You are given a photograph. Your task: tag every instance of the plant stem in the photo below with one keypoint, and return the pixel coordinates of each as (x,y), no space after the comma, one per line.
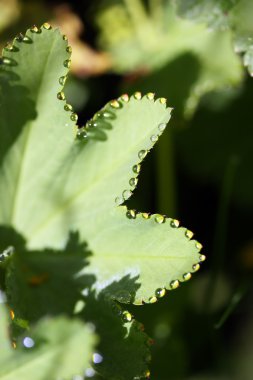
(220,235)
(235,300)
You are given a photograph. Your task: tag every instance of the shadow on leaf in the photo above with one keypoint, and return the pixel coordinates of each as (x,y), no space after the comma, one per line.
(123,344)
(44,282)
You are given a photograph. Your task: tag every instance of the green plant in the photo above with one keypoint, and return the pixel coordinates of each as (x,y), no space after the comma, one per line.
(68,244)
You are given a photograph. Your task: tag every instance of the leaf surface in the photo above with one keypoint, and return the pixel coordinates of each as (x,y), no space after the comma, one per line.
(62,349)
(55,179)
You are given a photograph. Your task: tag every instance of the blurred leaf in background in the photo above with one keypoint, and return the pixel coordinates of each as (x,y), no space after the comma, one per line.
(170,53)
(10,11)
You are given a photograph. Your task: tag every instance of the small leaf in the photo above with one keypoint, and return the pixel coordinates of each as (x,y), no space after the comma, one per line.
(56,348)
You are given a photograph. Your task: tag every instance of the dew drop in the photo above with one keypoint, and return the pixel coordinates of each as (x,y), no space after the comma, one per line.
(89,372)
(202,258)
(8,61)
(14,344)
(126,316)
(82,133)
(174,223)
(61,95)
(137,95)
(28,342)
(92,124)
(187,276)
(62,80)
(97,358)
(161,127)
(137,168)
(131,214)
(196,267)
(47,26)
(142,154)
(119,201)
(127,194)
(150,95)
(27,39)
(68,107)
(160,292)
(189,234)
(64,37)
(79,306)
(154,138)
(35,29)
(147,374)
(145,215)
(125,97)
(115,104)
(162,100)
(159,219)
(10,47)
(74,117)
(174,284)
(77,377)
(107,115)
(12,314)
(67,63)
(198,245)
(133,181)
(69,49)
(152,299)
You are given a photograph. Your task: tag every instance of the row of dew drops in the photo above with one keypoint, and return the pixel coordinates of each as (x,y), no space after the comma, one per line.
(22,38)
(82,133)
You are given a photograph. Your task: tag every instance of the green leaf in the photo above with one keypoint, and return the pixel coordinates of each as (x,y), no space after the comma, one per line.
(235,15)
(35,283)
(62,349)
(214,13)
(54,180)
(35,280)
(128,353)
(150,41)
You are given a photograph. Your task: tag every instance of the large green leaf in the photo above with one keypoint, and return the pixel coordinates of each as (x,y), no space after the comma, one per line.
(53,349)
(55,179)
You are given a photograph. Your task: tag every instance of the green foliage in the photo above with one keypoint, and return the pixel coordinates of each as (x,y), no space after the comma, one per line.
(214,13)
(56,179)
(235,15)
(155,41)
(54,348)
